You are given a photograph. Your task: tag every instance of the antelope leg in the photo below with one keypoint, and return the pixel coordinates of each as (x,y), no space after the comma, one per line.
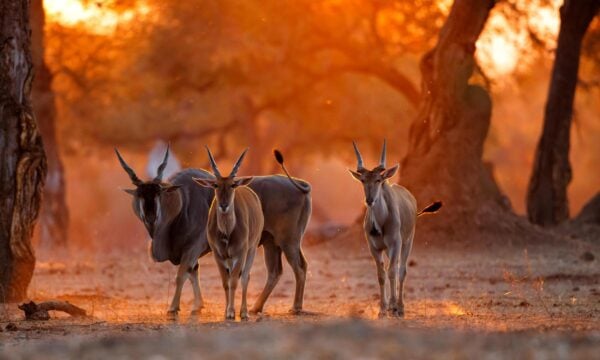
(182,275)
(378,257)
(245,281)
(406,247)
(198,301)
(274,270)
(296,259)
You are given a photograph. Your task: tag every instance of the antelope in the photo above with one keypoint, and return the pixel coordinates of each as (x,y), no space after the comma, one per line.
(235,223)
(175,215)
(286,205)
(389,227)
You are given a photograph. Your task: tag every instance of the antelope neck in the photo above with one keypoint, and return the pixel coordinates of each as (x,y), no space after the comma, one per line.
(377,213)
(226,221)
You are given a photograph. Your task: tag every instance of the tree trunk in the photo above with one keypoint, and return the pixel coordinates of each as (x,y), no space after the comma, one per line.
(23,165)
(54,216)
(444,159)
(547,202)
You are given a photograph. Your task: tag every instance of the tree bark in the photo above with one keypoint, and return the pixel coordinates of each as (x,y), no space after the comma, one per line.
(23,165)
(444,158)
(547,202)
(54,215)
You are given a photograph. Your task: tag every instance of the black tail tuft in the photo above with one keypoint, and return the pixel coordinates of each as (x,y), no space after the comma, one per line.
(278,156)
(300,186)
(432,208)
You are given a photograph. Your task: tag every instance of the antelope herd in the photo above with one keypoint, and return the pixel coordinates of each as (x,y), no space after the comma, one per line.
(195,212)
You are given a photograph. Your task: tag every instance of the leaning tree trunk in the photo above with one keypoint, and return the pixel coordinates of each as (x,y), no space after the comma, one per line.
(444,159)
(23,165)
(547,202)
(54,215)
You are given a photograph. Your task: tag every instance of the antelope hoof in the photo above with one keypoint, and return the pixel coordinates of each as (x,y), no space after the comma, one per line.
(195,312)
(399,313)
(255,311)
(396,310)
(382,313)
(244,316)
(296,311)
(229,315)
(172,314)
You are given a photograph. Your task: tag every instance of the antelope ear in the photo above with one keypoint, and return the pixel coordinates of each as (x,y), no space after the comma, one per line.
(130,191)
(209,183)
(355,175)
(170,188)
(243,181)
(389,172)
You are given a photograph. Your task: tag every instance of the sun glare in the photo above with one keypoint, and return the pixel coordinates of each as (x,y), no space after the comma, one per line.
(499,49)
(503,48)
(96,17)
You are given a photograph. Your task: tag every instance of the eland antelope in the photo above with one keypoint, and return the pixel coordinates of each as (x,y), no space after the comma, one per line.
(235,223)
(175,215)
(389,227)
(286,204)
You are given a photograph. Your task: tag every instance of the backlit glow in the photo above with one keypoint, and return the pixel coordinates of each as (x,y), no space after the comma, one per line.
(96,16)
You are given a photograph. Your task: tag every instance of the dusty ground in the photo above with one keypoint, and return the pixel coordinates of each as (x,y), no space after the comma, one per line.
(517,302)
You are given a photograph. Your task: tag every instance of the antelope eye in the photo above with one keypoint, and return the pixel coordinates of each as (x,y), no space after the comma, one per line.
(215,186)
(233,186)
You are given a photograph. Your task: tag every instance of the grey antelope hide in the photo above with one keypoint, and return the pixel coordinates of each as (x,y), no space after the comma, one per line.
(175,215)
(389,227)
(286,205)
(235,223)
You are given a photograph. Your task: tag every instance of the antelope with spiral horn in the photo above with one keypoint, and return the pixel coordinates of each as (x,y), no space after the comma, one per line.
(235,223)
(389,227)
(179,234)
(174,213)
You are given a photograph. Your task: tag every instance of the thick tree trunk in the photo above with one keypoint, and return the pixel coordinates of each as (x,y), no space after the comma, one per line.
(547,202)
(23,165)
(54,215)
(444,159)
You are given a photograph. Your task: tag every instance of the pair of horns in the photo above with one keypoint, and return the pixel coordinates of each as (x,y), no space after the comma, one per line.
(215,169)
(134,178)
(360,164)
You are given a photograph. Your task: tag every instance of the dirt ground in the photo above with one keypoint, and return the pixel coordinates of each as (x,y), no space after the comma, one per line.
(506,302)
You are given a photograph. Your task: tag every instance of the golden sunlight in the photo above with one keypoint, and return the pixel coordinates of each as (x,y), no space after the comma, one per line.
(455,310)
(96,17)
(503,47)
(499,49)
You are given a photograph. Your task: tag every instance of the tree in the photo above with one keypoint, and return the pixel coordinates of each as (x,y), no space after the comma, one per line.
(248,72)
(444,159)
(547,202)
(54,217)
(23,166)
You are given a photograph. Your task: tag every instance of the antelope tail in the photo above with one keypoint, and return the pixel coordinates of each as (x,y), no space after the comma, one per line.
(431,208)
(279,157)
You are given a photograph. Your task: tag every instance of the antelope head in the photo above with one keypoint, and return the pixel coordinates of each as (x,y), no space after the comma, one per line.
(224,185)
(372,180)
(147,195)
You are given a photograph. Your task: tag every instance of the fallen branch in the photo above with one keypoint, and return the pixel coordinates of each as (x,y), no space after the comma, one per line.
(39,311)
